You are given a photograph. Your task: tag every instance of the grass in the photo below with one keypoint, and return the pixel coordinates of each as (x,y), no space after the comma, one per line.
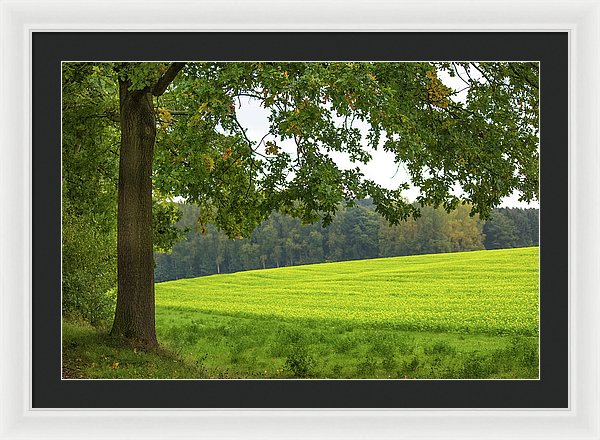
(463,315)
(492,292)
(92,354)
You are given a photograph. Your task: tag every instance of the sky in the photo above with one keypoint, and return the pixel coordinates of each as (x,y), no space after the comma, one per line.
(382,168)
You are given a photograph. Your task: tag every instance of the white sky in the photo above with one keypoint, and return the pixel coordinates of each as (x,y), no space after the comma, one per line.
(381,168)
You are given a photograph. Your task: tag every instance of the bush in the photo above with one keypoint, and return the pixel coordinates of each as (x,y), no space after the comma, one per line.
(89,268)
(299,362)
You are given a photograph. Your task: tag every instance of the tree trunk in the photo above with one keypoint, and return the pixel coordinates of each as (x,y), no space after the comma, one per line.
(134,315)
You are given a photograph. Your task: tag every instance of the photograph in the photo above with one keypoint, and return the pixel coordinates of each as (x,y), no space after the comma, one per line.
(281,220)
(300,220)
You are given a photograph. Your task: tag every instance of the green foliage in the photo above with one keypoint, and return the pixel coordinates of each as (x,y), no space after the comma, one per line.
(409,367)
(487,145)
(165,216)
(366,367)
(251,346)
(90,163)
(90,159)
(434,231)
(140,75)
(355,233)
(512,228)
(89,268)
(299,363)
(440,347)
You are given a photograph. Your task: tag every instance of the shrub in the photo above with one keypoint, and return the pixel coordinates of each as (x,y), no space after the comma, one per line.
(299,362)
(89,268)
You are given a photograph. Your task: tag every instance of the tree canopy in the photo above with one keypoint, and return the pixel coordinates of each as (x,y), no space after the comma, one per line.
(487,146)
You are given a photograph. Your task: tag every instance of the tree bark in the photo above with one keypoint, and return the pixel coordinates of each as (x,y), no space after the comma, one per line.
(134,315)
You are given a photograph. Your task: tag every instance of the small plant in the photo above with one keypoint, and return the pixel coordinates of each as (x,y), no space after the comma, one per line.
(285,338)
(367,367)
(389,363)
(299,362)
(410,367)
(405,345)
(238,348)
(200,363)
(520,358)
(290,336)
(382,347)
(475,367)
(190,333)
(525,351)
(344,344)
(336,371)
(440,347)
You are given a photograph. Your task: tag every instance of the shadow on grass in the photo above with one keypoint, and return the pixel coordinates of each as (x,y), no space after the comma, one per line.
(90,353)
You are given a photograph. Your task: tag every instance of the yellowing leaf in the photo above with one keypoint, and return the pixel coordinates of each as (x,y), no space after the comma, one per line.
(203,107)
(208,161)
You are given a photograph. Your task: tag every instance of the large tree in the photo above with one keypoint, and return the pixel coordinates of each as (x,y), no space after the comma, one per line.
(180,136)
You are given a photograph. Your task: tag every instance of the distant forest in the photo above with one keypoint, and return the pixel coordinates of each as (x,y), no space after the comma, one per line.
(355,233)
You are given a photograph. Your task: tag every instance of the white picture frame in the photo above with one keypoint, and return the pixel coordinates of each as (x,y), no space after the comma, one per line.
(18,19)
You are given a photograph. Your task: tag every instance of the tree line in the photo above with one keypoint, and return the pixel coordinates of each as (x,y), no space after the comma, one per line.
(355,233)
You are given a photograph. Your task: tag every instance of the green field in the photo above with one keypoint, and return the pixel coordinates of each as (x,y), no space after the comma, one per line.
(460,315)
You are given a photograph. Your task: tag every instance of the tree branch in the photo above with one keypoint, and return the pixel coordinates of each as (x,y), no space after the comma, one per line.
(178,112)
(166,79)
(458,74)
(481,70)
(248,141)
(525,78)
(113,117)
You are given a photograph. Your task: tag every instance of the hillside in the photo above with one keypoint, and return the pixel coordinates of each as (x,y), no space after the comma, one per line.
(493,292)
(461,315)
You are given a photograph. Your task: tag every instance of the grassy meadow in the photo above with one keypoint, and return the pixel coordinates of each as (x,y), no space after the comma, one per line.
(458,315)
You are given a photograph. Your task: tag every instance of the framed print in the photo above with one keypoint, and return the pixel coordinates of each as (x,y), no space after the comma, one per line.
(44,393)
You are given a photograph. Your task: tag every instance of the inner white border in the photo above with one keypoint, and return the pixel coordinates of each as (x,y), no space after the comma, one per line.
(17,19)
